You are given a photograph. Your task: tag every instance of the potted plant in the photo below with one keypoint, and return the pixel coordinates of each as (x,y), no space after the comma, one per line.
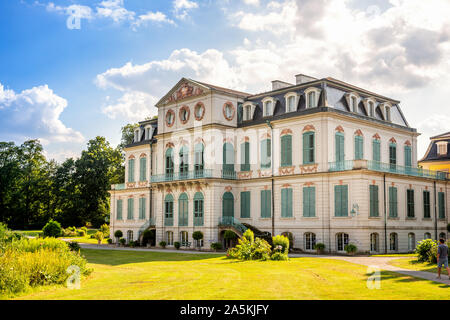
(350,249)
(216,246)
(99,237)
(118,234)
(122,241)
(319,247)
(163,244)
(197,236)
(177,245)
(147,238)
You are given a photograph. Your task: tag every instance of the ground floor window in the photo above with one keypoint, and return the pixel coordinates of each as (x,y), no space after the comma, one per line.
(393,242)
(169,238)
(310,241)
(411,242)
(341,241)
(183,237)
(427,235)
(374,240)
(129,236)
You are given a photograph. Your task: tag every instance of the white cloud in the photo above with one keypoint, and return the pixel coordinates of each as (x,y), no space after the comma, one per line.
(157,17)
(34,113)
(252,2)
(134,106)
(182,8)
(115,10)
(78,11)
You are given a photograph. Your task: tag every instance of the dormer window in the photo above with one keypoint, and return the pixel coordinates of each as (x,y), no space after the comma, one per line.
(136,135)
(354,104)
(371,109)
(291,101)
(312,97)
(147,133)
(388,113)
(442,148)
(386,110)
(268,106)
(248,110)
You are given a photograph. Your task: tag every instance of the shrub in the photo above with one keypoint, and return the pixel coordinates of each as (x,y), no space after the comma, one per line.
(122,241)
(248,234)
(68,233)
(81,233)
(427,251)
(258,249)
(74,246)
(134,244)
(350,248)
(230,235)
(33,245)
(52,229)
(281,241)
(110,241)
(279,256)
(118,234)
(85,229)
(105,230)
(177,245)
(216,246)
(163,244)
(197,235)
(147,236)
(319,247)
(99,236)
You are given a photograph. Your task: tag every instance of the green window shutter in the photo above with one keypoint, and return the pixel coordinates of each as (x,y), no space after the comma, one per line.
(376,150)
(344,201)
(340,156)
(265,153)
(309,201)
(286,151)
(130,215)
(286,203)
(119,209)
(426,204)
(198,209)
(359,148)
(131,170)
(308,147)
(245,204)
(266,204)
(408,161)
(228,158)
(228,205)
(410,203)
(341,201)
(141,208)
(393,154)
(393,202)
(441,202)
(143,169)
(245,156)
(374,201)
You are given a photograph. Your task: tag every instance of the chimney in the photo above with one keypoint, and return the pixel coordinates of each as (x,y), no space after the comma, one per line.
(301,78)
(277,84)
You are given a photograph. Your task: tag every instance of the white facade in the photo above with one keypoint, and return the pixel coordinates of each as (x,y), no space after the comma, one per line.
(196,116)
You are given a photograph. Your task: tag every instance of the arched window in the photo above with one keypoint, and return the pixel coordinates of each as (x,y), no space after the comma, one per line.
(291,101)
(184,238)
(308,147)
(228,205)
(393,242)
(427,235)
(169,163)
(411,242)
(169,238)
(183,210)
(393,156)
(309,241)
(168,210)
(199,159)
(374,241)
(266,152)
(228,161)
(341,241)
(245,156)
(268,106)
(184,162)
(198,209)
(129,236)
(359,147)
(286,151)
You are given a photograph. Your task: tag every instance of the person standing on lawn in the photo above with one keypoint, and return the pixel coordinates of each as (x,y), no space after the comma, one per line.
(442,258)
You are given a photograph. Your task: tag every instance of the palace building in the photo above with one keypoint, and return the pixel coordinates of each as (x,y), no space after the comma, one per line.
(321,161)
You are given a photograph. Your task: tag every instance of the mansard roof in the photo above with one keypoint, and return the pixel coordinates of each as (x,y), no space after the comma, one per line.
(432,152)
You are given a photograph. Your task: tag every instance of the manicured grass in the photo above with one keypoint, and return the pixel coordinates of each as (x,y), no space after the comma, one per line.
(400,255)
(154,275)
(30,233)
(86,239)
(413,264)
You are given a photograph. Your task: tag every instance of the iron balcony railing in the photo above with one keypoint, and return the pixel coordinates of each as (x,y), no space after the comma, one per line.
(195,174)
(119,186)
(232,222)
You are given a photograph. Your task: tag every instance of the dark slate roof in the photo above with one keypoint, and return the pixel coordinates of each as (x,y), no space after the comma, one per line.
(432,151)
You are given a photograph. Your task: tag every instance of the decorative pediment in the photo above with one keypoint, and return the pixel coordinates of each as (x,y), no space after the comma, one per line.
(185,90)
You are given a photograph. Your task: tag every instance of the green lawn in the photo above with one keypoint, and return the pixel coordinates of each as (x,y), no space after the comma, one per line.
(153,275)
(413,264)
(30,233)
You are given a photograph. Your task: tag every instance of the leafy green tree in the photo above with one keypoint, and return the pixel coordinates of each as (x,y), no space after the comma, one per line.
(127,134)
(52,229)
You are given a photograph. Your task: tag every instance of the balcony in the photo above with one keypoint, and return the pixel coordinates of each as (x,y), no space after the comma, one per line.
(226,222)
(118,186)
(193,175)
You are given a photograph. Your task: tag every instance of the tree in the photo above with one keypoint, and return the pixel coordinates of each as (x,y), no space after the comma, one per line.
(127,134)
(52,229)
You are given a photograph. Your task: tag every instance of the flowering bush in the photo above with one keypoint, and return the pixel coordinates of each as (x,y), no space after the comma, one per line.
(427,251)
(250,248)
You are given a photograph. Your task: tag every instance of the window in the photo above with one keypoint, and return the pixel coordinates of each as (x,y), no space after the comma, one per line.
(184,161)
(198,209)
(371,109)
(374,201)
(411,242)
(312,99)
(354,104)
(228,159)
(137,134)
(130,212)
(268,105)
(184,237)
(245,156)
(441,202)
(247,113)
(374,240)
(169,163)
(408,161)
(388,113)
(199,159)
(143,169)
(341,241)
(266,152)
(309,202)
(199,111)
(266,204)
(229,111)
(141,208)
(169,238)
(426,204)
(119,209)
(228,205)
(309,241)
(170,118)
(393,242)
(184,114)
(286,151)
(341,201)
(427,235)
(410,203)
(393,210)
(183,210)
(291,102)
(340,156)
(168,211)
(442,148)
(131,170)
(129,236)
(286,203)
(376,152)
(308,148)
(359,148)
(245,204)
(393,156)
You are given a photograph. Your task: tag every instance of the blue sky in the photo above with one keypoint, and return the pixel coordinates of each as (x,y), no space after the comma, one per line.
(65,86)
